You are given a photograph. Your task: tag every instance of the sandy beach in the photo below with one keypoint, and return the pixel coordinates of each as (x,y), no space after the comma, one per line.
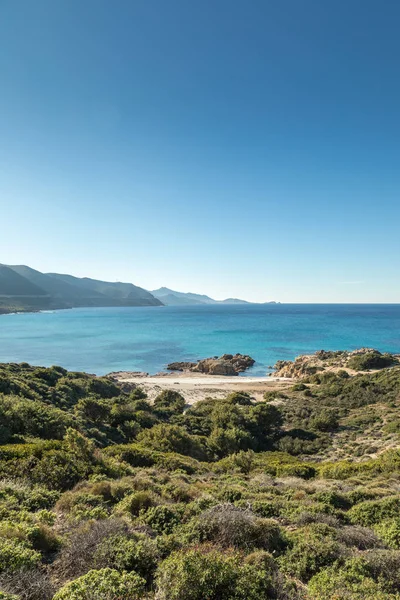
(195,386)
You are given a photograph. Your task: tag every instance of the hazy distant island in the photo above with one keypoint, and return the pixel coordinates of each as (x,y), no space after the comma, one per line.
(24,289)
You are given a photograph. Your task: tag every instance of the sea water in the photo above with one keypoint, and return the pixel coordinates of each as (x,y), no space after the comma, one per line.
(100,340)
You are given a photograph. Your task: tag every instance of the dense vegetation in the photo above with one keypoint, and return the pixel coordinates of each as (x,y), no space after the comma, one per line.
(104,496)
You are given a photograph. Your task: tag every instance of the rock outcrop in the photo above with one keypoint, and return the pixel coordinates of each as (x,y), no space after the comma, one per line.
(227,364)
(181,366)
(355,361)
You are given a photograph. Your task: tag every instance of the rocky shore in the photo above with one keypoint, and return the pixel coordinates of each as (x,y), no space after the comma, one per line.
(361,360)
(227,364)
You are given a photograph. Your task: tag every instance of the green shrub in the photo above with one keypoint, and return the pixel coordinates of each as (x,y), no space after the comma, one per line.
(163,518)
(134,503)
(123,552)
(240,398)
(15,554)
(133,454)
(42,537)
(170,400)
(207,574)
(299,387)
(172,438)
(313,548)
(103,387)
(372,512)
(371,360)
(389,531)
(93,409)
(103,584)
(325,420)
(333,498)
(350,581)
(296,470)
(225,441)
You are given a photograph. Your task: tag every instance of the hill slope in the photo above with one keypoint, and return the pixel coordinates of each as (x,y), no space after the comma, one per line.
(106,495)
(123,294)
(23,289)
(14,284)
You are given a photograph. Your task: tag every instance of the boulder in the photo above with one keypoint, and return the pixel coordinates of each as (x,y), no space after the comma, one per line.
(227,364)
(215,366)
(181,366)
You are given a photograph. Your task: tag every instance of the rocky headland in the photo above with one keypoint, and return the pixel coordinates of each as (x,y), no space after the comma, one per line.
(361,360)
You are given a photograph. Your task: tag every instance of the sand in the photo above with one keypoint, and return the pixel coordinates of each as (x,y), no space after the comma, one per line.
(195,386)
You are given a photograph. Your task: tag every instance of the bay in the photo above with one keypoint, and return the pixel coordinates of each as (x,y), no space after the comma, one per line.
(100,340)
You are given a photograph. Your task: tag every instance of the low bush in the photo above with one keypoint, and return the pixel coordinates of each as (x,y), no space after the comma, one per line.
(389,532)
(384,567)
(103,584)
(206,573)
(312,548)
(372,512)
(352,581)
(15,554)
(128,552)
(296,470)
(358,537)
(163,518)
(172,438)
(325,420)
(169,400)
(134,503)
(371,360)
(228,526)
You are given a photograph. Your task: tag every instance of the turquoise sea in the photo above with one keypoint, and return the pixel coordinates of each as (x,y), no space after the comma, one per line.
(100,340)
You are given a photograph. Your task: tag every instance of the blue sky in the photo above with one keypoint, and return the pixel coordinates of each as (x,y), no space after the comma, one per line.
(228,147)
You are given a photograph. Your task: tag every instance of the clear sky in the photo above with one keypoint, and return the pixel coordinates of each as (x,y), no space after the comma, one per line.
(245,148)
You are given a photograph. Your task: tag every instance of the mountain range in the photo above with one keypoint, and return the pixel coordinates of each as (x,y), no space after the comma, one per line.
(25,289)
(174,298)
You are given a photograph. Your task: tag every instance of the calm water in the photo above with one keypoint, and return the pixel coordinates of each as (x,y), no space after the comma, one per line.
(99,340)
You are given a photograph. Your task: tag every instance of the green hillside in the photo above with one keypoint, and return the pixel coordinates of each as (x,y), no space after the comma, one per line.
(117,291)
(14,284)
(105,496)
(23,288)
(53,286)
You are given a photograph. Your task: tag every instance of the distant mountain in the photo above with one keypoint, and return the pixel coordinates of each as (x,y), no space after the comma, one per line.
(52,286)
(14,284)
(164,292)
(234,301)
(23,288)
(122,294)
(174,298)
